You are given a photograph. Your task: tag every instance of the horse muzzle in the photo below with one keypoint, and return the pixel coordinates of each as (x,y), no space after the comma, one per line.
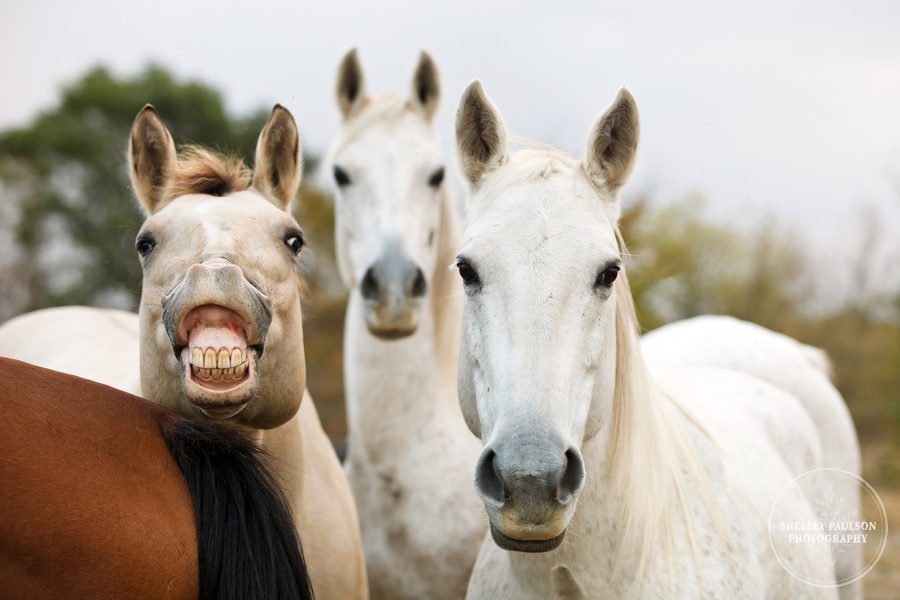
(392,290)
(529,493)
(216,322)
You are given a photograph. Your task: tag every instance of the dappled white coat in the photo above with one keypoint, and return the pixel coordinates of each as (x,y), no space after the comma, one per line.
(608,483)
(409,453)
(801,370)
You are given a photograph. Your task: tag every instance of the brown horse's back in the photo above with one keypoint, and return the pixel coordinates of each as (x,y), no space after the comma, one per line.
(92,505)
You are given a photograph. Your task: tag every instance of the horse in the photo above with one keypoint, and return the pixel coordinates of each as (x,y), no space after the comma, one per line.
(600,479)
(106,495)
(803,371)
(408,451)
(220,322)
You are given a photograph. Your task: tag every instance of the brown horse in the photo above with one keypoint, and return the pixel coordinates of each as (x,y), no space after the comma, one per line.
(106,495)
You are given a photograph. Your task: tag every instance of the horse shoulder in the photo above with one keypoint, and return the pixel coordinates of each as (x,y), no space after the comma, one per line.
(322,503)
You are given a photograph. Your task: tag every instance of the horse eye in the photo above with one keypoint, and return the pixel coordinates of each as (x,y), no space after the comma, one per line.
(467,273)
(340,176)
(607,277)
(294,241)
(436,178)
(145,245)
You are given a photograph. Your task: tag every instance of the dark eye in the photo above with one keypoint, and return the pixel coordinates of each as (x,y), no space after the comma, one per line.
(468,274)
(145,245)
(436,178)
(607,277)
(340,176)
(294,241)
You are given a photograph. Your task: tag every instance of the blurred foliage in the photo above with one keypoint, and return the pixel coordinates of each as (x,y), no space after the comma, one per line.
(681,265)
(76,218)
(65,197)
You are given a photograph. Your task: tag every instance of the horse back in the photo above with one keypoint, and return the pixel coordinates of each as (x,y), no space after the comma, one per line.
(94,506)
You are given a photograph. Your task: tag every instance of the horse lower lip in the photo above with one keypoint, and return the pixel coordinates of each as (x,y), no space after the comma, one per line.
(222,412)
(508,543)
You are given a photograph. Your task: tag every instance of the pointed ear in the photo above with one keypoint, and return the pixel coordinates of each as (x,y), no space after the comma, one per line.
(351,85)
(426,86)
(152,159)
(481,138)
(612,144)
(278,164)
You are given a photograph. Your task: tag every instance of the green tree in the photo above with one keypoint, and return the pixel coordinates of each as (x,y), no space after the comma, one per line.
(64,183)
(682,265)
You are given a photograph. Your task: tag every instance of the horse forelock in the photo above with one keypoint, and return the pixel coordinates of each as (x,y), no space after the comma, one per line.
(382,109)
(534,162)
(202,171)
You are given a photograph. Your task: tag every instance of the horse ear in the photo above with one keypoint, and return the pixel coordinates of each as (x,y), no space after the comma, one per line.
(351,84)
(481,138)
(612,144)
(278,166)
(426,86)
(152,159)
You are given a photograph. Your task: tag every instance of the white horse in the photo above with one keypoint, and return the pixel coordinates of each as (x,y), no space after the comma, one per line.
(220,324)
(664,484)
(409,453)
(801,370)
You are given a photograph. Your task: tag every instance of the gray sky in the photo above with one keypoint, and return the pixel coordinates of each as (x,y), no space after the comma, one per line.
(777,106)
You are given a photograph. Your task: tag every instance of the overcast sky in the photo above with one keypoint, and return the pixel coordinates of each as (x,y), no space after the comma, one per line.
(780,106)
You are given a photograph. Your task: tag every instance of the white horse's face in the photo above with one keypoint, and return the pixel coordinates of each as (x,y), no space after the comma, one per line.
(538,349)
(221,327)
(389,174)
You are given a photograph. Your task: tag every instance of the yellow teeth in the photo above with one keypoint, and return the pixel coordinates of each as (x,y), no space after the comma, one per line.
(218,364)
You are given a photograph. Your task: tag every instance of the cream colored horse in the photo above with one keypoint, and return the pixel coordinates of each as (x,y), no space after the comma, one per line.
(409,453)
(219,324)
(599,479)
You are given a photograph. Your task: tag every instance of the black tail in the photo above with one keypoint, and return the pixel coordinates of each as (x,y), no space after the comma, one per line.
(248,547)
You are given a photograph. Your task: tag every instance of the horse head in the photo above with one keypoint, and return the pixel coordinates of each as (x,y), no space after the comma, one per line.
(220,317)
(538,361)
(389,172)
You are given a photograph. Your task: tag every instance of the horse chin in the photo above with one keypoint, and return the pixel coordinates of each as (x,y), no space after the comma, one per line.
(531,545)
(394,328)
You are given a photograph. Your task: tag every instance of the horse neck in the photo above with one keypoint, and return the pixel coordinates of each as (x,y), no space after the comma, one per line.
(446,295)
(399,391)
(645,473)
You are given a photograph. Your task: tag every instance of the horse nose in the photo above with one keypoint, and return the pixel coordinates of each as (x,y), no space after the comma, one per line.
(393,278)
(533,475)
(217,283)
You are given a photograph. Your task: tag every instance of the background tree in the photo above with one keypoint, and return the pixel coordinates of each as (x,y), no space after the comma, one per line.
(66,193)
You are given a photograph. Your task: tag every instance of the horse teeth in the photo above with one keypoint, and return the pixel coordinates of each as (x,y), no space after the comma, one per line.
(205,373)
(197,357)
(239,370)
(228,374)
(237,357)
(216,374)
(209,359)
(224,359)
(196,369)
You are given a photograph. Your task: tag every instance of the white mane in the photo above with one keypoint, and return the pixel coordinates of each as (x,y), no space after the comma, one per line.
(651,458)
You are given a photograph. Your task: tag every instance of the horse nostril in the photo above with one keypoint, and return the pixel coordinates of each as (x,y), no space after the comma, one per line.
(369,286)
(487,480)
(419,285)
(572,479)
